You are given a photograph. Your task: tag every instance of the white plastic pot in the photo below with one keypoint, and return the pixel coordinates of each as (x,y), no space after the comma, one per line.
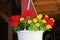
(30,35)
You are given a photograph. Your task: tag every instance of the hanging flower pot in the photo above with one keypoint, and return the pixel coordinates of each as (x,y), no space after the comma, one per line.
(30,26)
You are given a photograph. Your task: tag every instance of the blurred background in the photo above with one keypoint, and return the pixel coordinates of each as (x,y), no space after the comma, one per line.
(16,7)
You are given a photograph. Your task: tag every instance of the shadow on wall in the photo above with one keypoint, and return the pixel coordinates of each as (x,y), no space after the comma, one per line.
(3,29)
(47,35)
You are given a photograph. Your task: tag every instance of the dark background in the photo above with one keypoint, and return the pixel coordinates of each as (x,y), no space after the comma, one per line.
(3,29)
(15,10)
(54,34)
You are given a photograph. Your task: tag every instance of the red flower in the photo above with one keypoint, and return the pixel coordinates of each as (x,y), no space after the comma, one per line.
(15,17)
(29,13)
(50,22)
(15,20)
(46,18)
(14,23)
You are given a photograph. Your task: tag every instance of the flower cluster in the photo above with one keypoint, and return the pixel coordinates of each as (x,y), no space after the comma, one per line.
(31,21)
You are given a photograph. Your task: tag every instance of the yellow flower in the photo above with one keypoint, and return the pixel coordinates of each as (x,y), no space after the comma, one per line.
(21,19)
(39,16)
(44,21)
(35,20)
(29,21)
(37,24)
(48,27)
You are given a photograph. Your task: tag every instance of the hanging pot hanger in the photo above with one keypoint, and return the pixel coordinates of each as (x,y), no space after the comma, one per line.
(28,6)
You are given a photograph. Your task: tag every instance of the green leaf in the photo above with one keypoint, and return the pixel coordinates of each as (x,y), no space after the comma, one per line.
(31,26)
(35,28)
(14,29)
(18,28)
(43,26)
